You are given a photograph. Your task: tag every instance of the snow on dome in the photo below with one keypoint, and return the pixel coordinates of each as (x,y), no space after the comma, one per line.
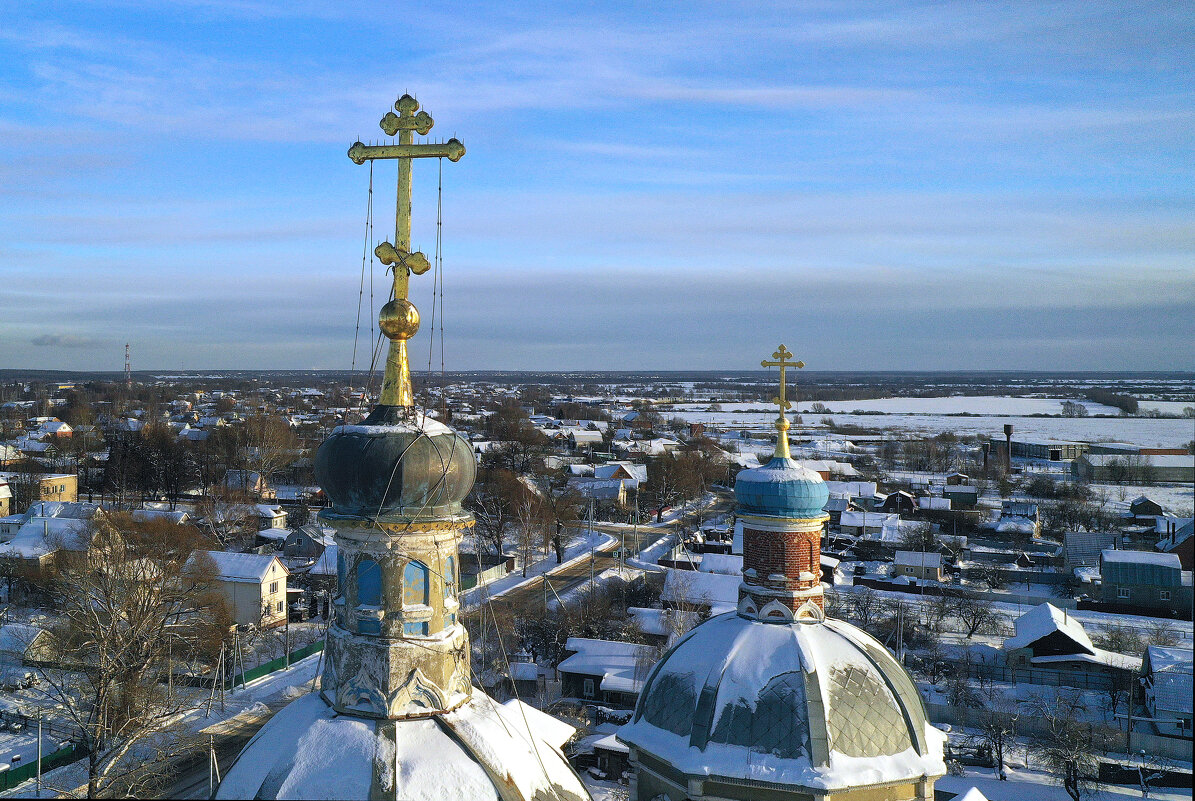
(781,488)
(396,462)
(309,751)
(816,704)
(417,424)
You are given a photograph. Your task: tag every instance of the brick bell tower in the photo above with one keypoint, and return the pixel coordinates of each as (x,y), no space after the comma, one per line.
(781,506)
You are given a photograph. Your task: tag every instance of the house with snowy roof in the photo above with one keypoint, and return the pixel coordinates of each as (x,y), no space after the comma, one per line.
(1049,637)
(924,565)
(1166,680)
(629,472)
(34,539)
(583,439)
(1180,542)
(1144,510)
(179,517)
(1083,548)
(899,502)
(693,589)
(605,671)
(307,542)
(22,644)
(55,429)
(253,585)
(961,494)
(661,626)
(1146,581)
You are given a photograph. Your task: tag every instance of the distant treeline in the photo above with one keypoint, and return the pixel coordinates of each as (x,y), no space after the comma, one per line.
(1126,403)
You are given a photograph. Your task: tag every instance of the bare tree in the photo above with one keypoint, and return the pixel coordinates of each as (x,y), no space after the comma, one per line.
(227,515)
(996,731)
(865,606)
(139,600)
(269,445)
(1067,747)
(493,501)
(976,614)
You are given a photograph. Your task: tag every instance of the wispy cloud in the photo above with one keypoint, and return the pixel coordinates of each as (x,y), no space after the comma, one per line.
(64,341)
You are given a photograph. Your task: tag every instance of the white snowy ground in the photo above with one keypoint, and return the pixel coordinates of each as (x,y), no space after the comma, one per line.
(246,702)
(1137,430)
(1022,785)
(576,551)
(1030,785)
(960,404)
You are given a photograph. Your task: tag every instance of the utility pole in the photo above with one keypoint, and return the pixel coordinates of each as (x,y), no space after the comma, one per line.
(39,752)
(636,518)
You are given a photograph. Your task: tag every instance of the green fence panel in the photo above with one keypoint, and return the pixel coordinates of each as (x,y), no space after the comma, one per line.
(274,665)
(23,773)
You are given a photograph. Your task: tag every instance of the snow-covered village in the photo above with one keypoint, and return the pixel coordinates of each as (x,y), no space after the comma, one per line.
(577,450)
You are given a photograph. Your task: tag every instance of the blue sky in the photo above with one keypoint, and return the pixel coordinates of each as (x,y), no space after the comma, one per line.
(878,185)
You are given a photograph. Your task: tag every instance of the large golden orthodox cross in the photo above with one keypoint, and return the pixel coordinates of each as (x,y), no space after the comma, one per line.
(783,361)
(399,319)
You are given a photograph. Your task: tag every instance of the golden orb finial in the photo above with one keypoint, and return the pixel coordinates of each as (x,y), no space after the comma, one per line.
(399,319)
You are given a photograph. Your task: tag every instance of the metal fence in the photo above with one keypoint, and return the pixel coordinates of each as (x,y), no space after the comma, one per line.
(1053,678)
(19,775)
(274,664)
(1029,726)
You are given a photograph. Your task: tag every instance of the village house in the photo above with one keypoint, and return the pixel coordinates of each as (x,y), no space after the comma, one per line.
(22,644)
(1179,542)
(1142,510)
(254,587)
(923,565)
(899,502)
(961,494)
(1019,517)
(50,486)
(1083,548)
(1049,637)
(604,671)
(870,525)
(1145,581)
(1166,680)
(30,542)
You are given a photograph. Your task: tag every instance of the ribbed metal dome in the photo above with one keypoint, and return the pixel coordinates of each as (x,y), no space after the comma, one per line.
(396,462)
(793,703)
(781,488)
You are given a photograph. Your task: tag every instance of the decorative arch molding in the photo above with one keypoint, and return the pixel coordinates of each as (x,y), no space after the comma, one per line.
(776,612)
(809,612)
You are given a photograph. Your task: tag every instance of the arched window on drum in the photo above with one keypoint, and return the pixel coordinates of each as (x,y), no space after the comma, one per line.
(369,594)
(450,584)
(415,593)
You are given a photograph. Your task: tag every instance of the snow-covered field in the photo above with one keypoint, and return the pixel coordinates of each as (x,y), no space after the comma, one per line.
(961,404)
(1136,430)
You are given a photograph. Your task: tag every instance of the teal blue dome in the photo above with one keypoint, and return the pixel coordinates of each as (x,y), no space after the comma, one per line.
(781,488)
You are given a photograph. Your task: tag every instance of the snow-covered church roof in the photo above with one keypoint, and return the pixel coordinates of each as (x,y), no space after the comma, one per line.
(308,750)
(812,703)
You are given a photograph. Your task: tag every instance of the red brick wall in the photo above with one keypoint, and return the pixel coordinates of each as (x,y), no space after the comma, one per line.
(769,552)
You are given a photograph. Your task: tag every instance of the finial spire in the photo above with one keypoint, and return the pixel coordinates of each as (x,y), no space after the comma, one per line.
(783,361)
(399,319)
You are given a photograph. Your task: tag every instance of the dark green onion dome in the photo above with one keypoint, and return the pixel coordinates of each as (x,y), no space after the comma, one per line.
(814,703)
(395,462)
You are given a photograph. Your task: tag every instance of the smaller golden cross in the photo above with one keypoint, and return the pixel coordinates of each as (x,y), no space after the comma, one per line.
(783,361)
